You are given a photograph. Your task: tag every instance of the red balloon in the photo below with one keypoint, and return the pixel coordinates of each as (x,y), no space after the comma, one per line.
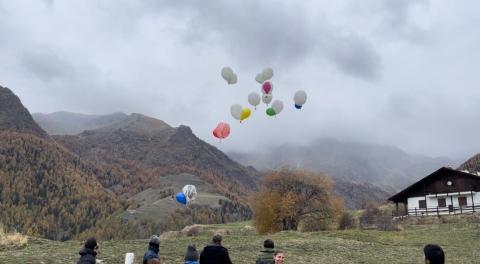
(222,130)
(267,87)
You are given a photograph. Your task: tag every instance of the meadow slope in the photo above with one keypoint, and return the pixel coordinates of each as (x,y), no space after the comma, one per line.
(460,241)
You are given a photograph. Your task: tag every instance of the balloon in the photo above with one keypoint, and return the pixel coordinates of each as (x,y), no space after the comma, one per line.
(236,111)
(190,192)
(267,98)
(259,78)
(300,98)
(277,106)
(245,114)
(222,130)
(298,106)
(181,198)
(267,87)
(129,258)
(254,99)
(227,74)
(234,79)
(267,73)
(270,112)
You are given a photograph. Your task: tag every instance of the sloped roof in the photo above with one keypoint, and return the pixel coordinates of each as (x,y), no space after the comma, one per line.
(405,192)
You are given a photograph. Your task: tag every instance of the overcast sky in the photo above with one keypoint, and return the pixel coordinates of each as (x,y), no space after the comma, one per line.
(397,72)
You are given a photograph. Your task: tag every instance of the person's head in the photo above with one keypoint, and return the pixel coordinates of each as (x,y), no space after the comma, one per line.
(91,243)
(434,254)
(278,257)
(217,239)
(192,254)
(268,244)
(154,241)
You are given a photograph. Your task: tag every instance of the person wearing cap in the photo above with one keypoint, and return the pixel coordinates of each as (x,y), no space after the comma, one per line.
(151,256)
(215,253)
(191,256)
(266,255)
(88,253)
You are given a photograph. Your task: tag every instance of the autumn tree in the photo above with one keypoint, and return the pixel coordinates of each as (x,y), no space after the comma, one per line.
(295,199)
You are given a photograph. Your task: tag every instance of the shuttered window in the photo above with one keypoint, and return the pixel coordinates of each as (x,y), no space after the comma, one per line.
(422,204)
(442,202)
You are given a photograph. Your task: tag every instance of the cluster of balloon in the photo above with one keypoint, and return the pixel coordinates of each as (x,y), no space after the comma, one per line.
(240,113)
(222,130)
(229,76)
(300,98)
(188,194)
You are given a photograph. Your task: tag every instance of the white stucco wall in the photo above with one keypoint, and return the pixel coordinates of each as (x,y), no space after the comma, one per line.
(432,202)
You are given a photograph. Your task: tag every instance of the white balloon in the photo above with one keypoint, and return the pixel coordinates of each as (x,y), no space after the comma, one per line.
(300,97)
(267,74)
(254,99)
(259,78)
(267,98)
(227,74)
(190,192)
(277,106)
(234,79)
(129,258)
(236,111)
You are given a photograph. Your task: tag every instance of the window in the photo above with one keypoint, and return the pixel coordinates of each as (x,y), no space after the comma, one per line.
(422,204)
(442,202)
(462,201)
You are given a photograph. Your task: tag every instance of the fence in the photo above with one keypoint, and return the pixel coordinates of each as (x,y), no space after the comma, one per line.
(450,210)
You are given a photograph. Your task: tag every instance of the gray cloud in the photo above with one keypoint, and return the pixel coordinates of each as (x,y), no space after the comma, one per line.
(366,76)
(45,64)
(274,33)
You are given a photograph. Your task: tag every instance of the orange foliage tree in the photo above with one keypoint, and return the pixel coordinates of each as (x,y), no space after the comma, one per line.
(290,199)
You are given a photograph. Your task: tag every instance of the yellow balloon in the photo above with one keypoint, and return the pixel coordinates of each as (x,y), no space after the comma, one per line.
(245,114)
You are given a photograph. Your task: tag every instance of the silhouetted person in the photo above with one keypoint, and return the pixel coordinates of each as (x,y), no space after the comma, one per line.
(433,254)
(88,253)
(151,256)
(266,255)
(191,256)
(278,257)
(215,253)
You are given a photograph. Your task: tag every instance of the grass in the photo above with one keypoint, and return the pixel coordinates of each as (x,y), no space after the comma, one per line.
(461,243)
(10,241)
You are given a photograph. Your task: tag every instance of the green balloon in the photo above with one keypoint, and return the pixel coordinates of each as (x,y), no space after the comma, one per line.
(271,112)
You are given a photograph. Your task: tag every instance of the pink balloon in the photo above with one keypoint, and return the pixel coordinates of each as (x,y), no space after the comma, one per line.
(222,130)
(267,87)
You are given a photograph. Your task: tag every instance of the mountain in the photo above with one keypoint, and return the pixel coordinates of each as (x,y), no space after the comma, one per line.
(66,123)
(14,116)
(385,166)
(44,189)
(472,164)
(139,149)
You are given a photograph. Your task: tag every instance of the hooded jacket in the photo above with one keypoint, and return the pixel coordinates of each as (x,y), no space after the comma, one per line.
(87,256)
(152,253)
(266,256)
(215,254)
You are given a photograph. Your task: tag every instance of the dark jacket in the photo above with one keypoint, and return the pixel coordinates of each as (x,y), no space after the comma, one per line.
(152,253)
(215,254)
(87,256)
(266,256)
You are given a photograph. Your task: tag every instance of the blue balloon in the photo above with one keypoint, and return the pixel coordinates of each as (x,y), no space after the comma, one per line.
(181,198)
(298,106)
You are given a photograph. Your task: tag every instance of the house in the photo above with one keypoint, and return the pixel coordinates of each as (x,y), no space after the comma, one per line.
(445,191)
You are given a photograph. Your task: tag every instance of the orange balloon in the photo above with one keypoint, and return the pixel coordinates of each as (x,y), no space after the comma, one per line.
(222,130)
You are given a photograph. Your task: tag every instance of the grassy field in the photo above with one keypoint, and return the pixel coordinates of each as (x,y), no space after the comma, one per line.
(461,243)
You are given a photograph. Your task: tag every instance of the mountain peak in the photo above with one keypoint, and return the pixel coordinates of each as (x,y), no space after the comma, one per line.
(14,116)
(472,164)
